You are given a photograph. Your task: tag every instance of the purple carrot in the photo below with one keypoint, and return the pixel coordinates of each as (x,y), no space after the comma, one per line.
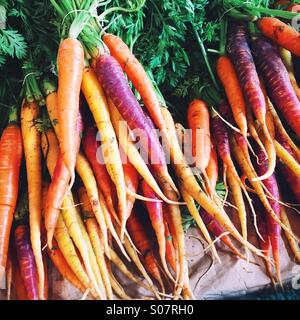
(221,138)
(217,230)
(274,229)
(111,76)
(241,56)
(278,82)
(26,261)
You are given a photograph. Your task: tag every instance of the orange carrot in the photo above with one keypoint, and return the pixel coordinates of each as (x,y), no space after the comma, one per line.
(51,104)
(58,187)
(70,63)
(234,93)
(65,243)
(32,150)
(10,161)
(212,170)
(281,33)
(198,122)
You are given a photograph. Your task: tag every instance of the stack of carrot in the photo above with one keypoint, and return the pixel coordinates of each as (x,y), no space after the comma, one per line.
(111,197)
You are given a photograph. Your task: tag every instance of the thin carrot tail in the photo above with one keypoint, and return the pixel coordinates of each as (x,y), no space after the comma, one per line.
(271,154)
(72,180)
(225,184)
(163,198)
(251,149)
(166,269)
(210,190)
(50,236)
(268,267)
(232,247)
(252,210)
(254,133)
(277,268)
(140,197)
(226,122)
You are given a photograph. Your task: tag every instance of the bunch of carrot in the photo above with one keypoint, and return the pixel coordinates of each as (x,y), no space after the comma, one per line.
(110,193)
(259,88)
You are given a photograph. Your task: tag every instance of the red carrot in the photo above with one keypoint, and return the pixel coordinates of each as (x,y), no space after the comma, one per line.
(155,212)
(90,148)
(132,183)
(20,289)
(143,244)
(170,250)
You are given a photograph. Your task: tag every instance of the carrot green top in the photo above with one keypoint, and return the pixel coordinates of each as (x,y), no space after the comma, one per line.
(80,20)
(49,86)
(31,88)
(249,10)
(13,115)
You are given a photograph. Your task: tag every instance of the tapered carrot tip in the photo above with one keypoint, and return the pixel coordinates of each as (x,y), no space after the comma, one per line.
(2,277)
(50,235)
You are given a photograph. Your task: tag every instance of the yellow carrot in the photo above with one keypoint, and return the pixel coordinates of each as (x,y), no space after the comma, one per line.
(97,102)
(93,231)
(195,214)
(70,217)
(238,200)
(287,158)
